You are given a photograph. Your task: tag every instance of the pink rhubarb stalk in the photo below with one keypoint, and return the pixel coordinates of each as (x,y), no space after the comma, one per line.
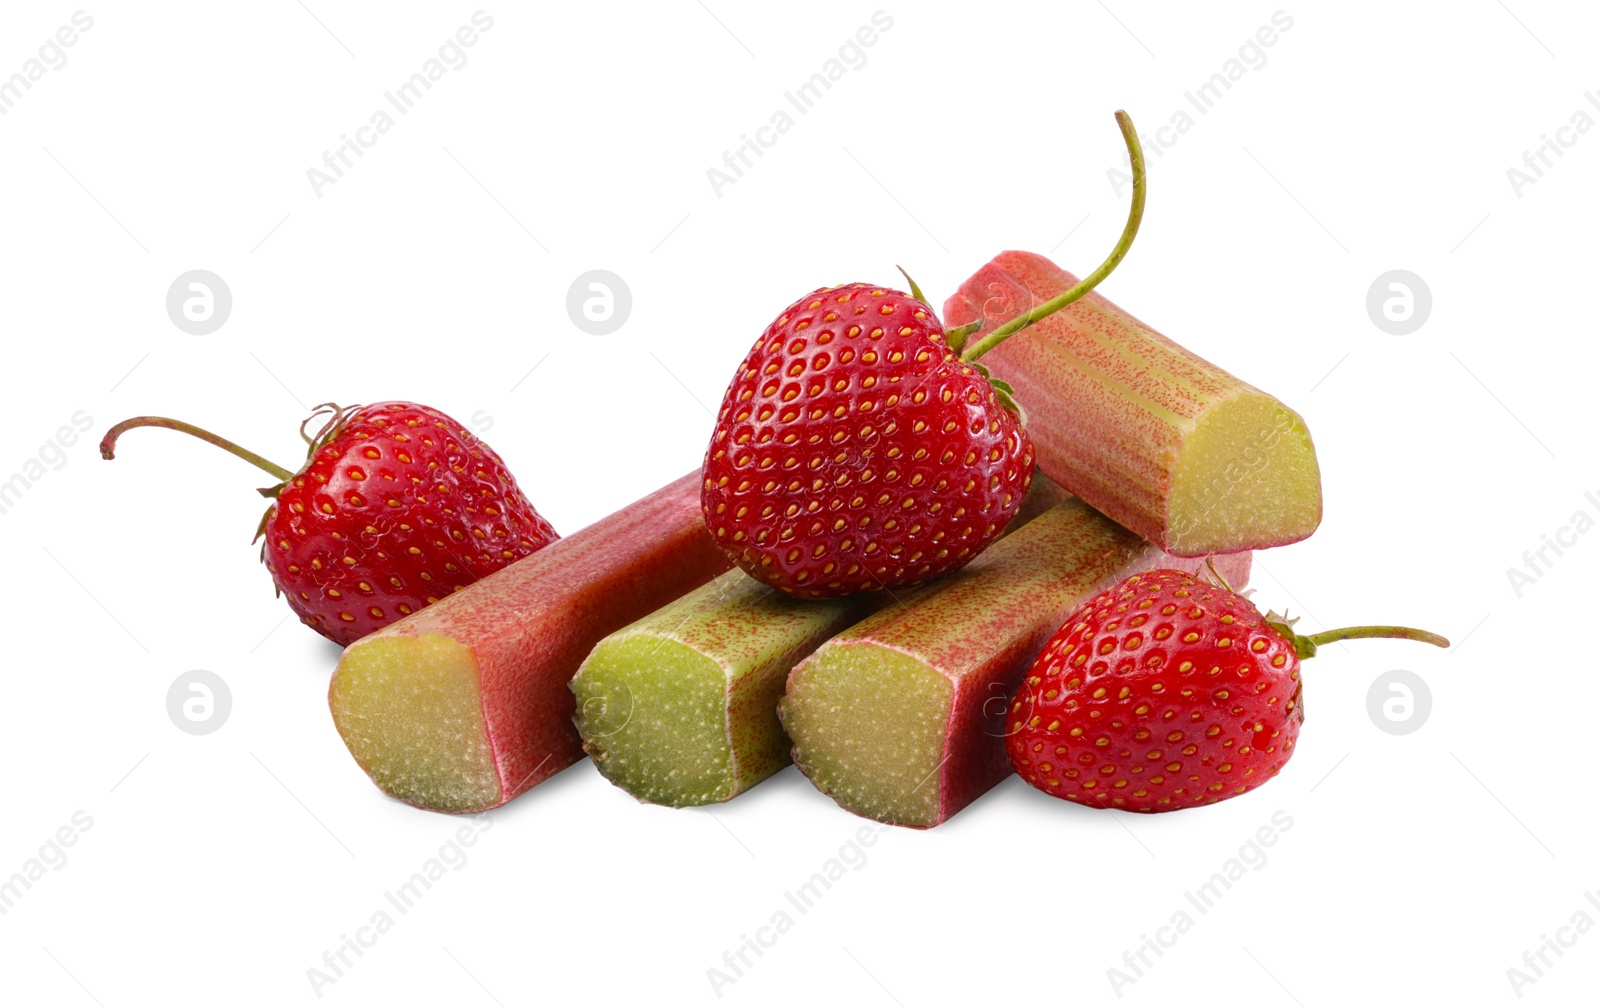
(901,718)
(1165,443)
(464,705)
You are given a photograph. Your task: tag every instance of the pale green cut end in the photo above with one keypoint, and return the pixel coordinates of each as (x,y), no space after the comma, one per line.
(409,710)
(869,725)
(1245,478)
(653,714)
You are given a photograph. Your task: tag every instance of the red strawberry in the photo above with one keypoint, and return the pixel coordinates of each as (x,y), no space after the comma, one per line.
(862,447)
(1165,692)
(855,451)
(396,506)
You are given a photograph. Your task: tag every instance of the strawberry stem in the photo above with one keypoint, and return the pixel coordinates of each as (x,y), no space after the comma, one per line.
(1379,633)
(1306,646)
(1088,283)
(108,444)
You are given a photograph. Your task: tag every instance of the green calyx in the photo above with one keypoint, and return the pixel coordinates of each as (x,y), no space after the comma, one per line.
(1306,646)
(336,417)
(957,338)
(1002,392)
(916,291)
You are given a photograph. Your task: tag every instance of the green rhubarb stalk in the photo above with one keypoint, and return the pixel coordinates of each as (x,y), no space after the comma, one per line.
(680,708)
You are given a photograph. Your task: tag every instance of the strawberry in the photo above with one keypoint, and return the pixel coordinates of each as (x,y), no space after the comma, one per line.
(396,506)
(862,447)
(1166,692)
(854,451)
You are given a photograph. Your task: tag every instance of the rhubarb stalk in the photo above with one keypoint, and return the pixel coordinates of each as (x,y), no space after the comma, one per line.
(901,717)
(464,705)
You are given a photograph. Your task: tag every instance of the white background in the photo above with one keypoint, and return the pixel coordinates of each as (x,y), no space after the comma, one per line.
(577,136)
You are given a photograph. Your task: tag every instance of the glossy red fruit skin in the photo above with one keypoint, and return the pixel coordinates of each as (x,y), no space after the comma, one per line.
(855,452)
(1163,692)
(399,507)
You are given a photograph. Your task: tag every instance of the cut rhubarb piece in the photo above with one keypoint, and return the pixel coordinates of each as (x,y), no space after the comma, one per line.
(1163,442)
(680,708)
(901,718)
(464,705)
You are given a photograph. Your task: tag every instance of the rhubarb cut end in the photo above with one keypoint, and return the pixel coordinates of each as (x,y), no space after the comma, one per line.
(1246,478)
(409,710)
(653,716)
(869,727)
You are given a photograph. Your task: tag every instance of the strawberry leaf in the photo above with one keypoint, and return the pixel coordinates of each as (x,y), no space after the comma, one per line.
(957,337)
(1002,392)
(1304,646)
(916,291)
(1010,404)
